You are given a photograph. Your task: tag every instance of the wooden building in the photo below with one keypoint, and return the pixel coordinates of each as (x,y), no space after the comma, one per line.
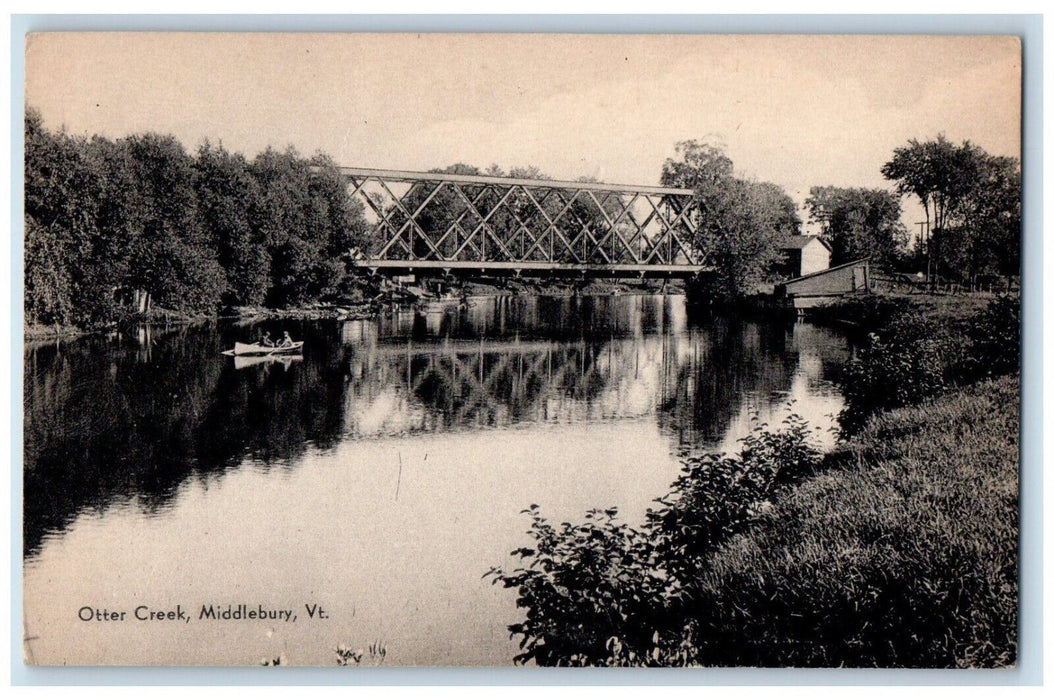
(803,255)
(826,286)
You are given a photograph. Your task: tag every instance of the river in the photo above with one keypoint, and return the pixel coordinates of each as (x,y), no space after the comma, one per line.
(378,476)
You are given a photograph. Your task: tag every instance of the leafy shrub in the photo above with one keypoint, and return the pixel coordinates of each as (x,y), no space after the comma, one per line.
(581,586)
(995,334)
(716,496)
(605,593)
(912,357)
(904,363)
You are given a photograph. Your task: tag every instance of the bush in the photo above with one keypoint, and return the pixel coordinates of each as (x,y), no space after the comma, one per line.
(995,334)
(717,496)
(912,357)
(904,364)
(605,593)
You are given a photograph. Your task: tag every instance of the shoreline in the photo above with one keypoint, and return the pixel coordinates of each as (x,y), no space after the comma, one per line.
(923,485)
(163,318)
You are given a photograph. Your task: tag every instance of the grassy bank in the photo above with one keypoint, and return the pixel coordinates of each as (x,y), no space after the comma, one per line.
(874,311)
(901,552)
(898,549)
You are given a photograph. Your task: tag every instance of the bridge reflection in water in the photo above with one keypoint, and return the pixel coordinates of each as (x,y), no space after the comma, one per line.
(582,359)
(137,418)
(384,472)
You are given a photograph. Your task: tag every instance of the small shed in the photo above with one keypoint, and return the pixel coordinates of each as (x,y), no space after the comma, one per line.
(803,255)
(825,286)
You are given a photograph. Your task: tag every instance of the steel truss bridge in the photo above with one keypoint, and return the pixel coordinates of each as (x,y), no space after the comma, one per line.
(476,224)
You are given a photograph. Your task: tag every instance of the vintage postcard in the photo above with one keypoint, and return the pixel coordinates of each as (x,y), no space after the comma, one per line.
(494,349)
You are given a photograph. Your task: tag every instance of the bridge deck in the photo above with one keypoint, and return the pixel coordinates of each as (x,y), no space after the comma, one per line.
(534,269)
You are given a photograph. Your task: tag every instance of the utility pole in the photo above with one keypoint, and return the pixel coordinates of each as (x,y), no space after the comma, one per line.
(924,241)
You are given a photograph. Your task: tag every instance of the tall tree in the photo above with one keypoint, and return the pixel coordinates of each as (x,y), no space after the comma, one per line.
(308,223)
(858,223)
(972,200)
(227,195)
(176,261)
(60,221)
(741,223)
(983,236)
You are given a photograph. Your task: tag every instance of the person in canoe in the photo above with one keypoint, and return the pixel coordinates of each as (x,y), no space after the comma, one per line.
(286,341)
(265,340)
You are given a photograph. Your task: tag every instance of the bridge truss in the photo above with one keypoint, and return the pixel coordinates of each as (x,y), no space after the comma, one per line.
(497,225)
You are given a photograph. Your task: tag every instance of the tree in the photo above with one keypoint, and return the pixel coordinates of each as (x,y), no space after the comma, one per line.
(335,217)
(974,200)
(74,259)
(984,237)
(58,221)
(741,223)
(858,223)
(308,223)
(175,261)
(227,194)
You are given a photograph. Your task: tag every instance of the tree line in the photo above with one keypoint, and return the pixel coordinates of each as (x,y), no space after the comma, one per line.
(184,231)
(972,202)
(140,217)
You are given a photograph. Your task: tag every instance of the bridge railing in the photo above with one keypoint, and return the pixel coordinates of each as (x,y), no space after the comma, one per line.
(452,220)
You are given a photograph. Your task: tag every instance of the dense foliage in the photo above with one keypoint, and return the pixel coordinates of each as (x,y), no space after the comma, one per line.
(742,222)
(606,593)
(911,357)
(109,218)
(859,223)
(995,340)
(903,364)
(972,202)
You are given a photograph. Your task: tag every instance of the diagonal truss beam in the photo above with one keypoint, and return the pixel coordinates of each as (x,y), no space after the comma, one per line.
(462,219)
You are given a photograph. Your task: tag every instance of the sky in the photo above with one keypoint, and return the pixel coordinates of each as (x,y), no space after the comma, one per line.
(799,111)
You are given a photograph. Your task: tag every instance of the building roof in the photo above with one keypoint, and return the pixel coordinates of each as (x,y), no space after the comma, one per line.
(799,242)
(829,270)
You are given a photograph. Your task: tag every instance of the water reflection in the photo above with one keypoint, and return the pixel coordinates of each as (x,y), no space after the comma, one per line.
(108,418)
(571,402)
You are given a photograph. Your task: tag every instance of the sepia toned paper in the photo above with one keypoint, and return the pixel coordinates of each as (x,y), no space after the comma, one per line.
(344,505)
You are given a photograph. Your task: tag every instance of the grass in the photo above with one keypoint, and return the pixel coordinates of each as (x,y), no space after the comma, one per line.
(946,308)
(898,549)
(902,551)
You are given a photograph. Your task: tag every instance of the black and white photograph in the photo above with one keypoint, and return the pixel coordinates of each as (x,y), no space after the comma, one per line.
(521,349)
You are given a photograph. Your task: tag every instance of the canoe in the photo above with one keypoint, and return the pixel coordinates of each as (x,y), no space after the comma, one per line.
(257,349)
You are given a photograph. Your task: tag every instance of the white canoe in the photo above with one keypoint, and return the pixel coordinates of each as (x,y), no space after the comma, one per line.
(257,349)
